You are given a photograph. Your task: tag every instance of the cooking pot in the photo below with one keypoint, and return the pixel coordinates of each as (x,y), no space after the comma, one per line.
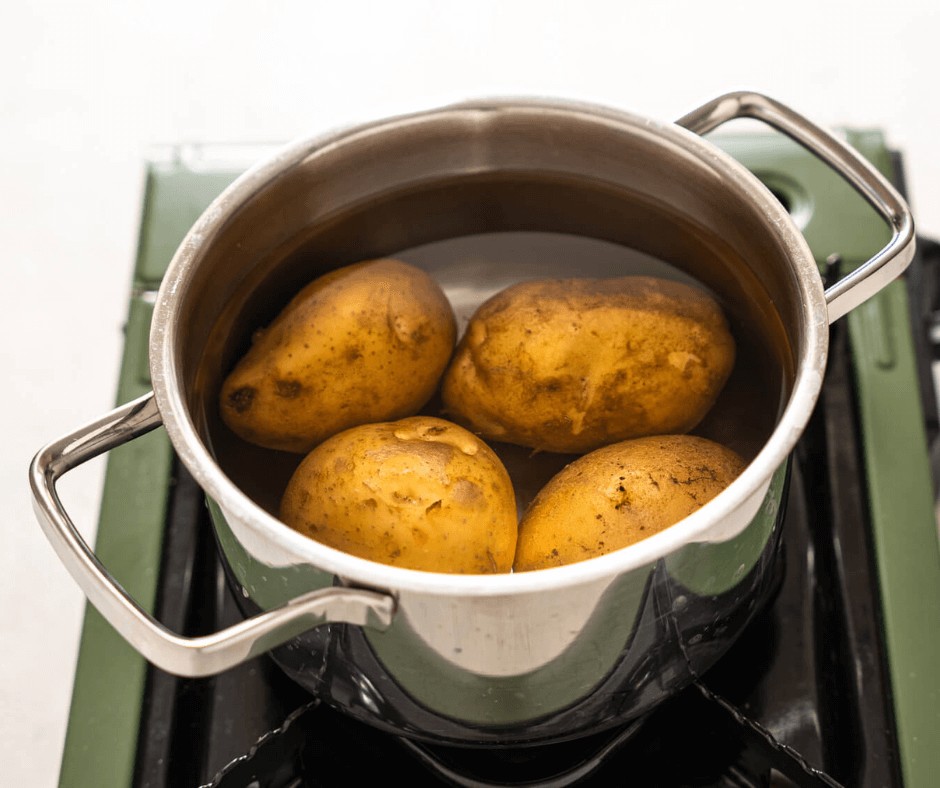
(517,658)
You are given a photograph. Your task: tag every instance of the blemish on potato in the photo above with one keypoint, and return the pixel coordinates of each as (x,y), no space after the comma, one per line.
(403,497)
(623,499)
(467,493)
(682,361)
(241,398)
(491,561)
(288,389)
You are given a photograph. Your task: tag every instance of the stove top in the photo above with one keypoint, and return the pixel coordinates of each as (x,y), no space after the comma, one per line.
(833,683)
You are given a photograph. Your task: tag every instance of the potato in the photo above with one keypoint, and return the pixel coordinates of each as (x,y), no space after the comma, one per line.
(571,365)
(620,494)
(364,343)
(421,493)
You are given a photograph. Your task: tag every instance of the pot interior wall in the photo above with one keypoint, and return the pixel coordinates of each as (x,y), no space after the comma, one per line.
(565,191)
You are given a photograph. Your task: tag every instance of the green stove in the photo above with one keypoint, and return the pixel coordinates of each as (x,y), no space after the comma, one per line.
(853,698)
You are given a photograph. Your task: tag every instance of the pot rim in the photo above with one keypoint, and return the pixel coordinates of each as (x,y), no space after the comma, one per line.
(697,527)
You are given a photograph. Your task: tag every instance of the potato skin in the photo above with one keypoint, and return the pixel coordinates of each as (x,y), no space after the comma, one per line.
(366,342)
(572,365)
(620,494)
(420,493)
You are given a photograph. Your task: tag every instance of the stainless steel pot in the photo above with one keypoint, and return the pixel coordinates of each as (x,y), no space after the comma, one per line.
(525,657)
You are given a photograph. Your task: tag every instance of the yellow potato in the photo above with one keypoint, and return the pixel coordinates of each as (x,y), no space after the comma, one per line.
(571,365)
(364,343)
(420,493)
(620,494)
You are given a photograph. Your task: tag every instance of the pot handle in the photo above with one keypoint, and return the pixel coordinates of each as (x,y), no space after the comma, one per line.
(183,656)
(872,276)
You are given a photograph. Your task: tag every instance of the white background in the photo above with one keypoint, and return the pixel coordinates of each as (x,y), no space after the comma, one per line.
(86,88)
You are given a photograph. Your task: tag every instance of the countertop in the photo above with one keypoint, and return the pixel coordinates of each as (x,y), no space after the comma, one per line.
(89,91)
